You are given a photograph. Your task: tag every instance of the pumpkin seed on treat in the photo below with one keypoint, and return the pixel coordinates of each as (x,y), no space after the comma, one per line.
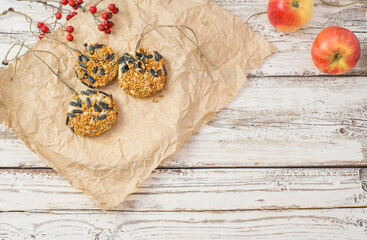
(89,119)
(142,74)
(96,66)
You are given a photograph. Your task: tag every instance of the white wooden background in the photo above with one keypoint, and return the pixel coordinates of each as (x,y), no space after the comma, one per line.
(286,160)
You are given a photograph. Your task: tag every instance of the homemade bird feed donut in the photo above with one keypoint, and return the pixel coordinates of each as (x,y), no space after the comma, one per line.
(142,74)
(96,65)
(91,113)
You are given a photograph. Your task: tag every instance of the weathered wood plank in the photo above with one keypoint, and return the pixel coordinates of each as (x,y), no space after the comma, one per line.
(197,190)
(293,58)
(273,122)
(331,224)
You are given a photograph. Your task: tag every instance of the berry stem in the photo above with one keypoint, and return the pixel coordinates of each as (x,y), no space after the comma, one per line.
(53,1)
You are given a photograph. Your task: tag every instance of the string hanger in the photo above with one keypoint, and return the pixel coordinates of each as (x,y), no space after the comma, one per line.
(34,52)
(179,28)
(31,21)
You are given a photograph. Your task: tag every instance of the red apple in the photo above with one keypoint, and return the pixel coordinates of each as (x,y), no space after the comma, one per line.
(336,50)
(289,15)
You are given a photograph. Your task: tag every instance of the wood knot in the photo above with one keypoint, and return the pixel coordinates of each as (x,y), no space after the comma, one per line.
(342,131)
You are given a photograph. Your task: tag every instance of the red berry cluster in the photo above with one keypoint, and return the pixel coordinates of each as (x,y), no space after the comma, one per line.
(45,27)
(105,25)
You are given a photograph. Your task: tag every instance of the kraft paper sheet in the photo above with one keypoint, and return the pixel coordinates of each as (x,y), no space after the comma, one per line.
(111,166)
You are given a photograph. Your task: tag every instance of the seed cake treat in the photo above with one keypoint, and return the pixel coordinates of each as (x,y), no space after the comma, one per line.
(96,66)
(143,74)
(91,113)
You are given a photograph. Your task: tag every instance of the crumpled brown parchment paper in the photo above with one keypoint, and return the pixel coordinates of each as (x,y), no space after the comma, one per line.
(109,167)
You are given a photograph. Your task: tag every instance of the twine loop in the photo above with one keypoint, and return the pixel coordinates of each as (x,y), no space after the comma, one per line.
(195,41)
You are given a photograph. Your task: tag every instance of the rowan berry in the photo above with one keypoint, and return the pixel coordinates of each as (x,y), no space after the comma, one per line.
(111,7)
(40,24)
(45,29)
(107,31)
(114,11)
(69,29)
(58,15)
(101,27)
(70,37)
(93,9)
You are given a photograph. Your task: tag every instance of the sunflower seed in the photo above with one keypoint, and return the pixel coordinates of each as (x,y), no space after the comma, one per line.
(77,111)
(85,93)
(97,108)
(91,91)
(71,115)
(67,120)
(152,72)
(157,56)
(138,54)
(101,71)
(158,72)
(142,70)
(149,56)
(105,106)
(89,103)
(112,57)
(106,94)
(98,46)
(165,71)
(102,117)
(87,84)
(91,50)
(139,64)
(91,79)
(125,68)
(95,69)
(74,104)
(79,102)
(108,57)
(121,59)
(83,65)
(85,71)
(85,58)
(85,44)
(80,59)
(129,58)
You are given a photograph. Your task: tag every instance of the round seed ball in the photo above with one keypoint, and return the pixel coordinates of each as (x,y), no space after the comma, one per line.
(91,113)
(142,74)
(96,65)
